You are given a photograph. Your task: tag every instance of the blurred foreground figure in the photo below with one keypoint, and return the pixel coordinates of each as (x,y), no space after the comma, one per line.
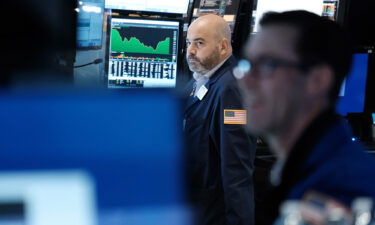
(291,78)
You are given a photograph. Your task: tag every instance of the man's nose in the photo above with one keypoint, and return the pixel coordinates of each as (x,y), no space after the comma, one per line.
(191,50)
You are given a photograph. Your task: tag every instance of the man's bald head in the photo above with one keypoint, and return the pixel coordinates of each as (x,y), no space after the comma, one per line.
(215,25)
(208,43)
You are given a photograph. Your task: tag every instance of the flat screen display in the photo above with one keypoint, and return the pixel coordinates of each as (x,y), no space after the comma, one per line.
(143,53)
(315,6)
(165,6)
(90,24)
(353,90)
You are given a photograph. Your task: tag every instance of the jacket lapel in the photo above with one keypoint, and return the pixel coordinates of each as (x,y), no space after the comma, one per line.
(192,100)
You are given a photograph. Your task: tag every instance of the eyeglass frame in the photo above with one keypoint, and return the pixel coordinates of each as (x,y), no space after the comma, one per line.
(264,66)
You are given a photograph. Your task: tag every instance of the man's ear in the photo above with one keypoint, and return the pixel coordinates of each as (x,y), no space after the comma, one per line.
(224,46)
(320,80)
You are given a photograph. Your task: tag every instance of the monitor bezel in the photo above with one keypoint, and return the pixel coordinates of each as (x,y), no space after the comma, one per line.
(146,12)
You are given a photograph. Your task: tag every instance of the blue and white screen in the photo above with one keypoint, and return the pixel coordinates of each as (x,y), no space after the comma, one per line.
(90,23)
(353,90)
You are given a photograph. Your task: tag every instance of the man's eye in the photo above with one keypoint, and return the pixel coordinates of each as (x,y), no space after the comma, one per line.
(270,64)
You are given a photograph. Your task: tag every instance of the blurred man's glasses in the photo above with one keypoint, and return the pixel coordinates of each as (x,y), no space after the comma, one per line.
(263,68)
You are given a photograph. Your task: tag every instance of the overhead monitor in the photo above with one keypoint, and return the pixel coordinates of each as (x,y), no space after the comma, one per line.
(353,90)
(165,6)
(143,53)
(90,24)
(314,6)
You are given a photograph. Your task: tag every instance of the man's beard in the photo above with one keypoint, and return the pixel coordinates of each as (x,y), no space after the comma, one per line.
(202,66)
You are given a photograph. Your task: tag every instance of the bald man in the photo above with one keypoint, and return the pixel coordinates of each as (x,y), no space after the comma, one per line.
(221,153)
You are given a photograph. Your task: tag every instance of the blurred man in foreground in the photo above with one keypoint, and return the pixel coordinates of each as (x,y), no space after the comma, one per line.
(295,67)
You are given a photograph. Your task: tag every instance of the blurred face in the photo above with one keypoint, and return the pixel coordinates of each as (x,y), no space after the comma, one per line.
(274,86)
(203,49)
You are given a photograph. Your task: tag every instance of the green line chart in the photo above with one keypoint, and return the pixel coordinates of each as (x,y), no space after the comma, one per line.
(135,45)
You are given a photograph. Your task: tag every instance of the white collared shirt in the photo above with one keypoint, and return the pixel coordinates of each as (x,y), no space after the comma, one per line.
(202,79)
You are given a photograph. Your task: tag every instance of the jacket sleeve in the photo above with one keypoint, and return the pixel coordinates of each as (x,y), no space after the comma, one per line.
(237,152)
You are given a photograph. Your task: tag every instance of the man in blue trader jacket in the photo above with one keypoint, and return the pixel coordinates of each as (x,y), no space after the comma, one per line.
(296,65)
(220,152)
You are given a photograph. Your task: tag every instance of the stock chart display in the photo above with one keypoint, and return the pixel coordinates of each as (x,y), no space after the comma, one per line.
(143,53)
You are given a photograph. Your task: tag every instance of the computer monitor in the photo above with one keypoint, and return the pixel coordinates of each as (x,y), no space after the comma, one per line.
(143,52)
(353,90)
(90,24)
(127,145)
(165,6)
(315,6)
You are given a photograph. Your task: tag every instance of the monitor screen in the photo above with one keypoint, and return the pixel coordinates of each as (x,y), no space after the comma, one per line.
(90,23)
(165,6)
(143,53)
(353,90)
(315,6)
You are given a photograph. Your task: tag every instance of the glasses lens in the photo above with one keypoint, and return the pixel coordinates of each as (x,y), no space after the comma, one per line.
(267,67)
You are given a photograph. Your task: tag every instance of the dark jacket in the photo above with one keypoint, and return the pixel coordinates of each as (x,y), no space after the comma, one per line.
(220,156)
(326,160)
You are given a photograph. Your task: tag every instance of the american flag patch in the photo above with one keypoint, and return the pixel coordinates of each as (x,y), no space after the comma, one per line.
(234,116)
